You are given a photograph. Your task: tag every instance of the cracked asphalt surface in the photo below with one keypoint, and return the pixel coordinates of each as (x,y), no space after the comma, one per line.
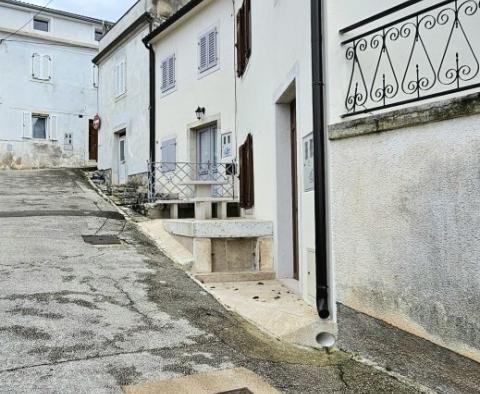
(78,318)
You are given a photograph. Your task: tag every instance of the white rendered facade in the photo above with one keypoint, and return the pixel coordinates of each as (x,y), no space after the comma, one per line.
(48,89)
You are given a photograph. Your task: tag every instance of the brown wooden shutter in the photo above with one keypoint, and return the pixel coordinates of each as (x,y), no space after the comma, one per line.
(247,195)
(248,31)
(240,43)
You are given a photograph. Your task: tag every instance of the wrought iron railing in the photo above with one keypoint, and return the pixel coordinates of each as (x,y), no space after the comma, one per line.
(171,181)
(424,55)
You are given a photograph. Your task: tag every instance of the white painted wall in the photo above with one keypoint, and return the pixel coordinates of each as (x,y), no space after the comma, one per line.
(128,112)
(70,95)
(281,55)
(214,89)
(404,206)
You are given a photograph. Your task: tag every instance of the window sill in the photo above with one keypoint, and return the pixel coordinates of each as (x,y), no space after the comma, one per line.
(44,141)
(168,92)
(45,81)
(207,72)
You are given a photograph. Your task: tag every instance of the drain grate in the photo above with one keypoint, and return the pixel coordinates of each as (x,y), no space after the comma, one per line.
(237,391)
(101,240)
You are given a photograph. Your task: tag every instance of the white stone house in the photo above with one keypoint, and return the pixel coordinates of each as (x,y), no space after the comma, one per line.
(404,147)
(197,55)
(124,99)
(48,88)
(402,119)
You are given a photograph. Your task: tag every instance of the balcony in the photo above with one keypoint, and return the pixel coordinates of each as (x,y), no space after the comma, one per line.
(423,55)
(185,181)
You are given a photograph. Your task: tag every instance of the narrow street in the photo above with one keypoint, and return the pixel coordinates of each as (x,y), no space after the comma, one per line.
(79,318)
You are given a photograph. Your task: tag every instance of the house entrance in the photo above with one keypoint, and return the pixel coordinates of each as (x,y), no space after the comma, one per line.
(122,161)
(206,152)
(287,215)
(92,142)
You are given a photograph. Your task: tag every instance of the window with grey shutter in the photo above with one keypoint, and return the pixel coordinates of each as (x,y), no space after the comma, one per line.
(168,73)
(169,155)
(208,50)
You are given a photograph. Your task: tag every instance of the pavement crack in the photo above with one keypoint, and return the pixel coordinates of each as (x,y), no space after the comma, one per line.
(133,307)
(341,375)
(88,358)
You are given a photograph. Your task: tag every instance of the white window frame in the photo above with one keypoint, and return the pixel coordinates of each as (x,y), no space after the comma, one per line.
(170,62)
(42,116)
(210,66)
(121,78)
(95,30)
(43,19)
(45,67)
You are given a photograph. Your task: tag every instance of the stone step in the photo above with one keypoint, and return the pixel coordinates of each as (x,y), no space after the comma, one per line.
(220,277)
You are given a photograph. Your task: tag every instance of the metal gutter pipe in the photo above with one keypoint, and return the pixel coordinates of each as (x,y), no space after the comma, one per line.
(320,167)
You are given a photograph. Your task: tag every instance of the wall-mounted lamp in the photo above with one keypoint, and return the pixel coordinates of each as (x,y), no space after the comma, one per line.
(200,112)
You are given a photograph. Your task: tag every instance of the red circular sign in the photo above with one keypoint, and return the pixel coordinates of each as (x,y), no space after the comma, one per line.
(97,122)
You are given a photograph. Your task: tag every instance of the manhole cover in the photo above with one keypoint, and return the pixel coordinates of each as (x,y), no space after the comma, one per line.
(101,239)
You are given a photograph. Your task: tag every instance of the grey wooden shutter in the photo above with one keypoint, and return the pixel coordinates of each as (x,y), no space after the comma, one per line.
(36,66)
(168,73)
(169,155)
(203,53)
(27,125)
(46,73)
(53,127)
(171,72)
(164,75)
(212,48)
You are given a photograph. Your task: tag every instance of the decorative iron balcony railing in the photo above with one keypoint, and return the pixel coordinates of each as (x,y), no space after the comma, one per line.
(424,55)
(176,181)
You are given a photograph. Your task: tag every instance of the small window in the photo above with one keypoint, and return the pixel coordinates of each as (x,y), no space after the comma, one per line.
(122,151)
(41,24)
(39,126)
(98,34)
(168,73)
(244,37)
(208,50)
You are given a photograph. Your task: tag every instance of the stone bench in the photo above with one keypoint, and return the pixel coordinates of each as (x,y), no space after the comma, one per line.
(203,206)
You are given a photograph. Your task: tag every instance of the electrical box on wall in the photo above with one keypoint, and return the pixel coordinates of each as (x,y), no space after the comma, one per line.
(308,169)
(68,142)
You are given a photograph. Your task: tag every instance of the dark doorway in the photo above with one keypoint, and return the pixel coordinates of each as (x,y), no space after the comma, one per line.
(294,176)
(92,142)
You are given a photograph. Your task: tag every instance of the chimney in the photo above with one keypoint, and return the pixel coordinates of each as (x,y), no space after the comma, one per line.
(163,9)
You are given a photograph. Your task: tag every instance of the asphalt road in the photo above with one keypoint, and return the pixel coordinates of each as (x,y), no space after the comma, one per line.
(79,318)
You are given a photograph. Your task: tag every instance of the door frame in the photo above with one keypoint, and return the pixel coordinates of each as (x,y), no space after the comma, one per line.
(294,188)
(90,130)
(122,136)
(288,257)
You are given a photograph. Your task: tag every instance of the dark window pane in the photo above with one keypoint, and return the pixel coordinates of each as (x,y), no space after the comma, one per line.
(122,150)
(39,127)
(98,35)
(40,24)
